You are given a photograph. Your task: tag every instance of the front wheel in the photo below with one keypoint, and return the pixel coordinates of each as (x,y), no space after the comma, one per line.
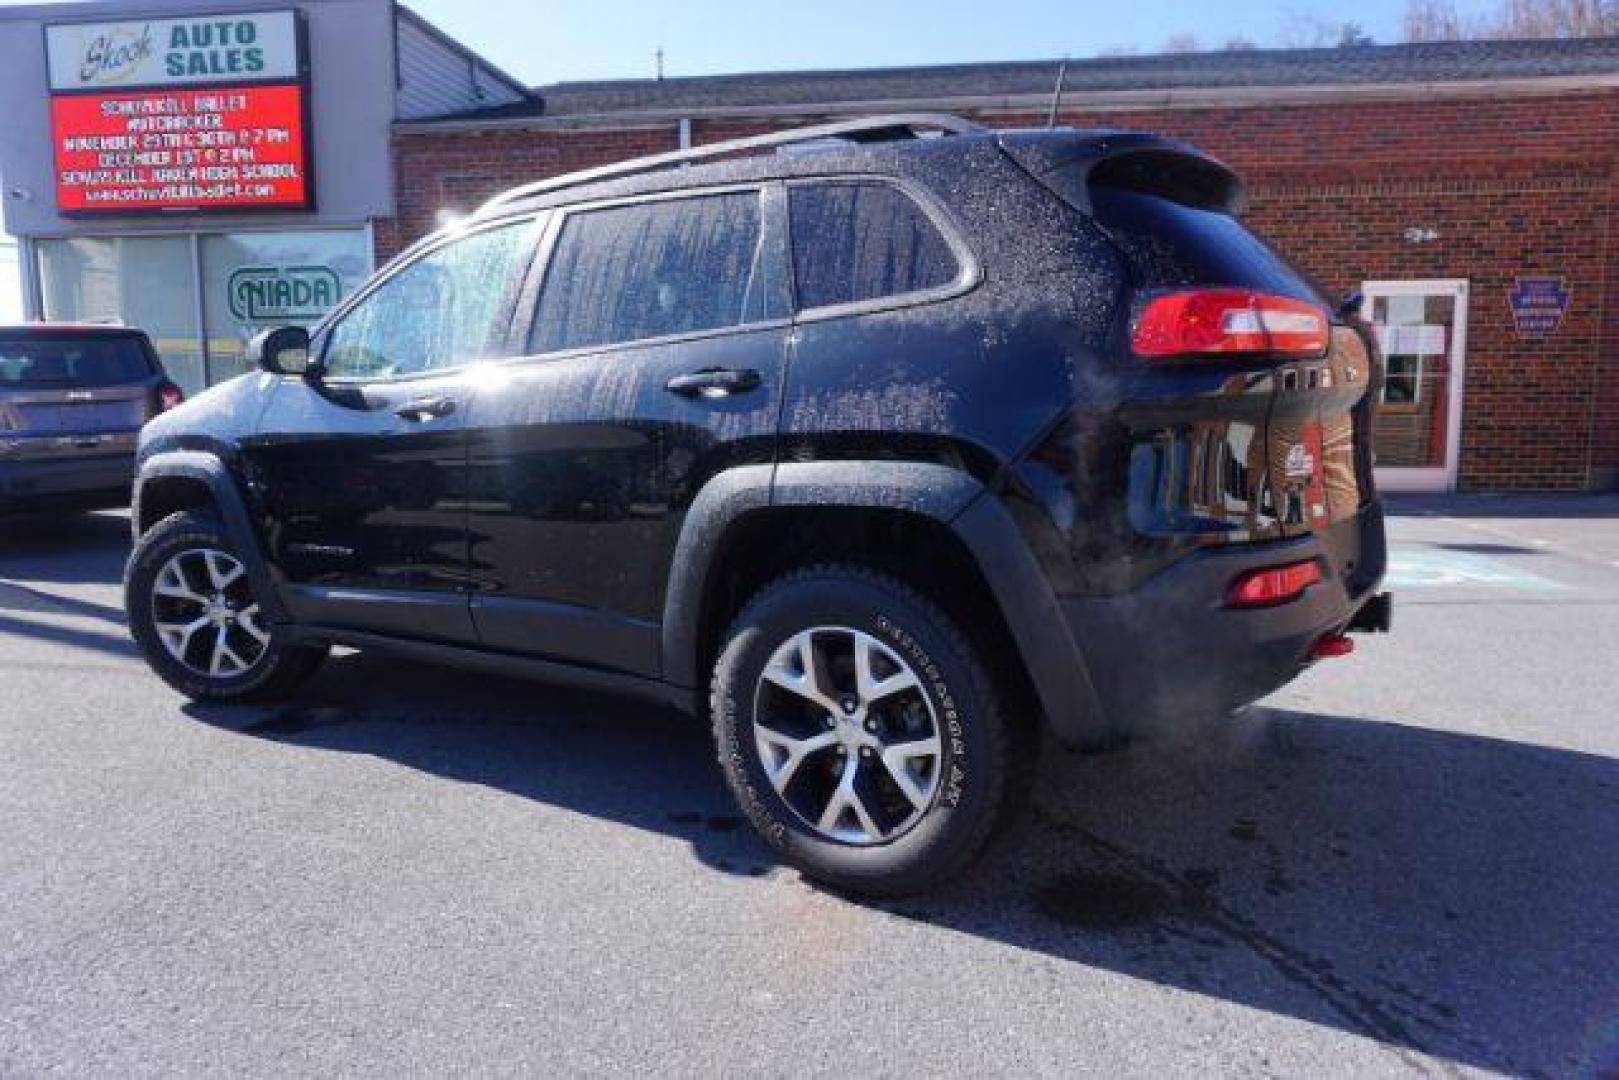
(193,612)
(860,733)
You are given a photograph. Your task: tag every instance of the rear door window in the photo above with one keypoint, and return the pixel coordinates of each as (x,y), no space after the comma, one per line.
(648,270)
(46,362)
(1170,244)
(854,242)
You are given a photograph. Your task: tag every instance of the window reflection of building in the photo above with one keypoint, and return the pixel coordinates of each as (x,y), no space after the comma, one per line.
(154,283)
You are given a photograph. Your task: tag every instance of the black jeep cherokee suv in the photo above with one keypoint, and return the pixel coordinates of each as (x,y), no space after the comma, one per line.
(876,449)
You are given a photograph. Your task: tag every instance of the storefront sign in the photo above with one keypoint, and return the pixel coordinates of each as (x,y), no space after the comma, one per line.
(282,293)
(1539,304)
(241,147)
(135,132)
(172,52)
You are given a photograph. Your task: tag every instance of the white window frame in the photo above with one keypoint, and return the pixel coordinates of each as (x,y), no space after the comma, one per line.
(1434,478)
(1416,390)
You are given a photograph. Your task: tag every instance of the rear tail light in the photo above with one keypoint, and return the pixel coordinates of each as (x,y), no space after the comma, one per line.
(168,396)
(1272,586)
(1228,322)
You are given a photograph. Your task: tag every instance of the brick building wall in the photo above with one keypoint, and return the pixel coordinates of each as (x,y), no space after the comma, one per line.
(1513,187)
(1605,398)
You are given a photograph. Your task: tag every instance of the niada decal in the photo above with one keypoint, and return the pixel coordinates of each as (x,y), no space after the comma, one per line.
(282,293)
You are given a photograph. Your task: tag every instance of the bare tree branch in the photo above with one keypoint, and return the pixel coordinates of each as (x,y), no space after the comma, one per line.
(1438,20)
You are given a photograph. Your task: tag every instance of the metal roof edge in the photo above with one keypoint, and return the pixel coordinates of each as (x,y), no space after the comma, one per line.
(1074,100)
(463,50)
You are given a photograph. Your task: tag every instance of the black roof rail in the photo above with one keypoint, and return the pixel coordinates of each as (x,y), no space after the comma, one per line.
(865,129)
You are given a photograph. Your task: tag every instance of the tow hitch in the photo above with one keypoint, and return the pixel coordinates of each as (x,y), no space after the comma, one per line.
(1375,616)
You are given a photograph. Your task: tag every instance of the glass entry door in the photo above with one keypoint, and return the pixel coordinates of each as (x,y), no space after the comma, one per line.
(1421,327)
(202,296)
(140,281)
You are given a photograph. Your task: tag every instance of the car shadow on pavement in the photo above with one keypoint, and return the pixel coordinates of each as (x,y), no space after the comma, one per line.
(96,641)
(1449,895)
(18,597)
(67,554)
(65,548)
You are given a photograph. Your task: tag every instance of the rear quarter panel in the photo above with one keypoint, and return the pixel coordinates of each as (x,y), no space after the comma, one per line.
(971,379)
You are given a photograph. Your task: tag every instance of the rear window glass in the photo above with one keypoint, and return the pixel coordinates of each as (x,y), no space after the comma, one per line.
(67,361)
(1169,244)
(646,270)
(855,242)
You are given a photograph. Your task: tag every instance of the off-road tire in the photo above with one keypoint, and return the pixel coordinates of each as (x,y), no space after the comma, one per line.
(285,663)
(986,754)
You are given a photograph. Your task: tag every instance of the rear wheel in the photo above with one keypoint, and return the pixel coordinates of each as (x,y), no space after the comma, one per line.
(860,732)
(193,612)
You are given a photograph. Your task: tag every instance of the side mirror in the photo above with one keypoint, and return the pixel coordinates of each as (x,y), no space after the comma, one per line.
(282,351)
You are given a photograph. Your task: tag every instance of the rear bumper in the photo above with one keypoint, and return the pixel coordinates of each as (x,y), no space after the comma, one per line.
(1169,650)
(88,482)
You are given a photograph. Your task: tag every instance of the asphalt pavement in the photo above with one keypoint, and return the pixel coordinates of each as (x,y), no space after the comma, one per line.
(1406,862)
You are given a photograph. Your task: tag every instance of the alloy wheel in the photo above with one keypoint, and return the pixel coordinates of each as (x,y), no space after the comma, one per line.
(847,735)
(206,616)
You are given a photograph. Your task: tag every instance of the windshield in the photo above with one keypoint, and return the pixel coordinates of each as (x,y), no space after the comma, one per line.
(67,361)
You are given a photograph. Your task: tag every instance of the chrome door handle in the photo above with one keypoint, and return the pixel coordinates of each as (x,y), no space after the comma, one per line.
(714,382)
(426,409)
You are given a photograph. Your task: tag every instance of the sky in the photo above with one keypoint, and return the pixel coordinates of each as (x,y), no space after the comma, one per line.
(543,41)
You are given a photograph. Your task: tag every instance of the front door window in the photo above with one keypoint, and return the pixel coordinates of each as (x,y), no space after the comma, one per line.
(446,309)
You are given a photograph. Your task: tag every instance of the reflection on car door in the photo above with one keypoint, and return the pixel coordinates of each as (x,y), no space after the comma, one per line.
(363,474)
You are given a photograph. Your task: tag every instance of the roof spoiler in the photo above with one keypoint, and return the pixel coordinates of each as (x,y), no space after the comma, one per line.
(1134,160)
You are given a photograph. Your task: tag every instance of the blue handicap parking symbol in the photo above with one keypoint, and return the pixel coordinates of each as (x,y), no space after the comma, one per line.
(1427,568)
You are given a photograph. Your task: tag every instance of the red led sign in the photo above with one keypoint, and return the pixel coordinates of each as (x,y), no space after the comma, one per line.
(241,148)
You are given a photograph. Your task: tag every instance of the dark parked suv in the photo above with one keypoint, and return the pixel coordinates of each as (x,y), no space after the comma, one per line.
(72,400)
(879,450)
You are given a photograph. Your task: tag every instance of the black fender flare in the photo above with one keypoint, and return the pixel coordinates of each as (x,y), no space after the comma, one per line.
(211,471)
(954,498)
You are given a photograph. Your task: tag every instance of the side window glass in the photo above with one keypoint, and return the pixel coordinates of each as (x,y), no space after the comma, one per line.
(441,311)
(855,242)
(675,266)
